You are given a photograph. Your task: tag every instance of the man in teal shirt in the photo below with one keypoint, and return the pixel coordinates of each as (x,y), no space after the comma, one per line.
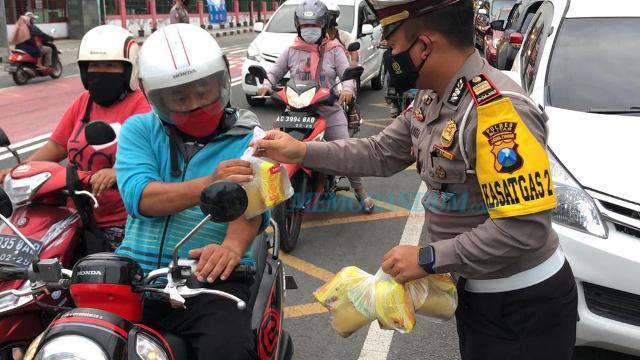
(165,159)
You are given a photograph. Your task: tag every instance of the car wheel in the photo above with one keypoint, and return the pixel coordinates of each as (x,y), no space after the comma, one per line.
(377,83)
(254,102)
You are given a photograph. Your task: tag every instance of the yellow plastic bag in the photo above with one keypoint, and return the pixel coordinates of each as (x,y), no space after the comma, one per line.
(337,288)
(393,304)
(270,185)
(434,297)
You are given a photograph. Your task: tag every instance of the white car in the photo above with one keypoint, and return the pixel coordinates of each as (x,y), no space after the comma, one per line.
(579,59)
(356,17)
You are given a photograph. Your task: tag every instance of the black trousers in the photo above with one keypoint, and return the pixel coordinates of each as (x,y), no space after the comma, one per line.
(213,328)
(534,323)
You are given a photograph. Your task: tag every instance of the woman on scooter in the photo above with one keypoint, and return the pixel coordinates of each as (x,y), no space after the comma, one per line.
(302,60)
(108,68)
(28,38)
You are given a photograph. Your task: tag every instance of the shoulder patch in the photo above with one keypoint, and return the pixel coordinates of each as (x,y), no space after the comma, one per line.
(483,90)
(458,91)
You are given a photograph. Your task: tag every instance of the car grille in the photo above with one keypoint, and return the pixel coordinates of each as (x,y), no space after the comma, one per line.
(624,215)
(613,304)
(270,57)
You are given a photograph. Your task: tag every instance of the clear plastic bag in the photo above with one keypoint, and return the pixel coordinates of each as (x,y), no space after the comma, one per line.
(355,298)
(270,185)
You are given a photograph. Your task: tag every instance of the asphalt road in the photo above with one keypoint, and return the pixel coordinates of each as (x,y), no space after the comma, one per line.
(331,241)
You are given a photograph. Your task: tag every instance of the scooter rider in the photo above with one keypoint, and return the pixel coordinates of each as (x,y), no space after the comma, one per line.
(314,56)
(479,144)
(335,33)
(165,159)
(108,62)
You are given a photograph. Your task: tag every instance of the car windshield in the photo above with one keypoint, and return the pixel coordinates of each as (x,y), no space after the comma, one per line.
(500,9)
(594,66)
(282,22)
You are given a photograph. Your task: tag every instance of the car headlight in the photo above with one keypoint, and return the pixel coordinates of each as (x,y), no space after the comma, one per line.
(148,349)
(300,101)
(31,350)
(576,209)
(71,347)
(20,191)
(10,302)
(253,52)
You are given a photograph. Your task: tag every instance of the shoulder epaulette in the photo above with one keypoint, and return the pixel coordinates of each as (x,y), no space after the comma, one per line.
(483,91)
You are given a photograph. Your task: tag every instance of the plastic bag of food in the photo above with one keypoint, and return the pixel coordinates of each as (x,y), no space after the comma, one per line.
(270,185)
(393,304)
(434,297)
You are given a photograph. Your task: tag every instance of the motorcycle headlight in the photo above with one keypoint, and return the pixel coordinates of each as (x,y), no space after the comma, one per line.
(20,191)
(576,209)
(148,349)
(71,347)
(10,302)
(31,350)
(253,52)
(300,101)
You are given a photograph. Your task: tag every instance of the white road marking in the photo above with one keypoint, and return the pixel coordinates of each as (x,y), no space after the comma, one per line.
(378,342)
(24,150)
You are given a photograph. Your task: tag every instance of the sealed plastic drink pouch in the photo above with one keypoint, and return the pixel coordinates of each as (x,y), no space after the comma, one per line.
(270,185)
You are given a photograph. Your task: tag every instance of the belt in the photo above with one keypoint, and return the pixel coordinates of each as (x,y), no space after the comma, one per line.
(522,279)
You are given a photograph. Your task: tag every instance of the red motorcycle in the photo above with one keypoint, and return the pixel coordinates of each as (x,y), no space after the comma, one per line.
(52,206)
(23,66)
(109,293)
(301,120)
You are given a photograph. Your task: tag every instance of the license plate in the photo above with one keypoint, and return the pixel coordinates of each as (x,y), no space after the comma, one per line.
(16,252)
(295,122)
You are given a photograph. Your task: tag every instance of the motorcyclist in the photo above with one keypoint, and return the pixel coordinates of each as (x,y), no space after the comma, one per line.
(302,60)
(107,59)
(335,33)
(165,159)
(29,38)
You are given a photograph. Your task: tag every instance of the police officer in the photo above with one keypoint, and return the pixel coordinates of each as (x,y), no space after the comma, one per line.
(480,146)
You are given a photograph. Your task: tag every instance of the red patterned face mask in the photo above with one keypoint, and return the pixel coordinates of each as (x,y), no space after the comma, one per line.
(200,122)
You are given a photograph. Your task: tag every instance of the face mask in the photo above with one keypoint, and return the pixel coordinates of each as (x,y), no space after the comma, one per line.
(311,35)
(105,88)
(403,74)
(200,122)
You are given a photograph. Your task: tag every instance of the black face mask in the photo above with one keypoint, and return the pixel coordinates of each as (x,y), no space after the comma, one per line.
(403,74)
(106,88)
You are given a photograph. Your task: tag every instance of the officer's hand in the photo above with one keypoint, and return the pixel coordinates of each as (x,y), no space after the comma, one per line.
(102,180)
(345,97)
(4,173)
(214,260)
(262,91)
(280,146)
(235,170)
(401,263)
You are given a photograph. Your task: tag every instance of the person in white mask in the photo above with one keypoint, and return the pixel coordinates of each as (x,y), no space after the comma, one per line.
(313,56)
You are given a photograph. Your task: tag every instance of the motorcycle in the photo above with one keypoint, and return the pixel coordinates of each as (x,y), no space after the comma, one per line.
(301,120)
(51,204)
(109,291)
(23,66)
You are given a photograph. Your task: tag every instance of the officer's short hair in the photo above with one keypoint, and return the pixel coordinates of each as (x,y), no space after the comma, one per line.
(454,22)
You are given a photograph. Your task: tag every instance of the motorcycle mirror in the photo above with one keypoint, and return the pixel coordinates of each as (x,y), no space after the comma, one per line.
(223,201)
(99,133)
(6,208)
(258,72)
(354,46)
(4,139)
(352,73)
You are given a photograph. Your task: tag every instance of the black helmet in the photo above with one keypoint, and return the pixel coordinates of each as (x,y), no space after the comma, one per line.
(312,12)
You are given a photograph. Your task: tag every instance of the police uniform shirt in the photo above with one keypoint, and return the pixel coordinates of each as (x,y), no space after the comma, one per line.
(466,239)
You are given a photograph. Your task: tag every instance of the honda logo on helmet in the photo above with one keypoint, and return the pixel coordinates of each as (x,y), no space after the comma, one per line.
(184,73)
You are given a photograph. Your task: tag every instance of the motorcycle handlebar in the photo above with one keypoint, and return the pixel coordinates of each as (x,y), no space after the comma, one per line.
(11,273)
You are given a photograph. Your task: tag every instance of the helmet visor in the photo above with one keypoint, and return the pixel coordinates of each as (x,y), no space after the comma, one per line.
(183,98)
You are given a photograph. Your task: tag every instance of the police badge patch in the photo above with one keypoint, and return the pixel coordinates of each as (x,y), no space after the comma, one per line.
(502,139)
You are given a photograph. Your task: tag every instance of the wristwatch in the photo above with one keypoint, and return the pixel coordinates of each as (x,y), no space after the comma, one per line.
(427,258)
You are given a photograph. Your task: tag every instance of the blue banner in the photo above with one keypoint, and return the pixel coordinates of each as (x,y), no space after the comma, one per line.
(217,11)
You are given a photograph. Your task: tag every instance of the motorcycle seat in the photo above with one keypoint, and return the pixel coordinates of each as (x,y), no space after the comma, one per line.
(18,51)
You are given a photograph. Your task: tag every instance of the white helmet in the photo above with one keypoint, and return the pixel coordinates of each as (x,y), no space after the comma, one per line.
(109,43)
(185,76)
(332,6)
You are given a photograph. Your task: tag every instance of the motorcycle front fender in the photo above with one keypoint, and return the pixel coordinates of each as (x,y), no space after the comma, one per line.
(292,169)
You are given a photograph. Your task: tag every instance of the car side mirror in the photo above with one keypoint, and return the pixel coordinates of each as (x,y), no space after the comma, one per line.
(352,73)
(4,139)
(258,27)
(99,133)
(516,39)
(258,72)
(224,201)
(6,207)
(354,46)
(497,25)
(367,29)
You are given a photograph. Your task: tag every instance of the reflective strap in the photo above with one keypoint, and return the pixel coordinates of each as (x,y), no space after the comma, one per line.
(520,280)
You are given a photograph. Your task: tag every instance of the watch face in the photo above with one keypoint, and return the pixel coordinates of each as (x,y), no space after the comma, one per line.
(425,256)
